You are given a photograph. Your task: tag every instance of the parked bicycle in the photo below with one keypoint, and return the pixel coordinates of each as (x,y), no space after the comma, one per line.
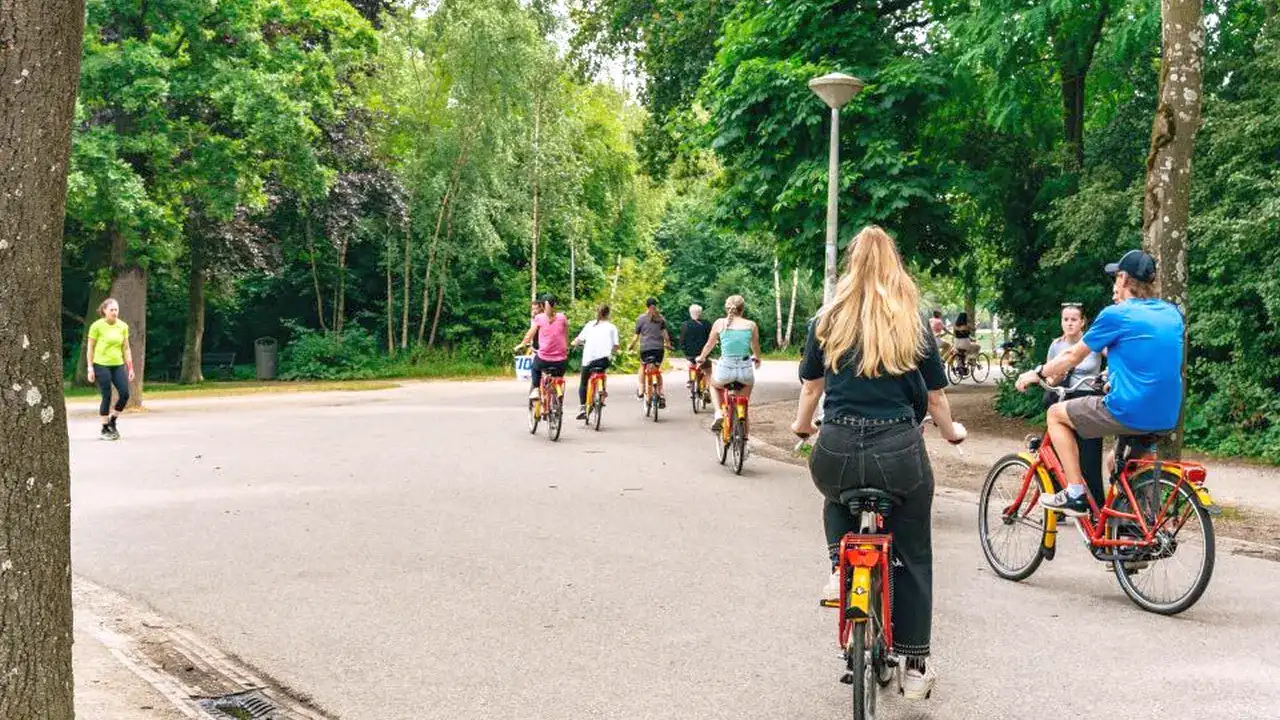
(1154,522)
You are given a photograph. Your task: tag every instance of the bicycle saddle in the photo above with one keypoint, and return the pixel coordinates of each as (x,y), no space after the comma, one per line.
(734,386)
(867,500)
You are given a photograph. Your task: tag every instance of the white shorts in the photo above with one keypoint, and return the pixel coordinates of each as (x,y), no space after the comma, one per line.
(734,370)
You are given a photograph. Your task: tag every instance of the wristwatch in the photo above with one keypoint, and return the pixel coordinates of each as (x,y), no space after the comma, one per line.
(1040,372)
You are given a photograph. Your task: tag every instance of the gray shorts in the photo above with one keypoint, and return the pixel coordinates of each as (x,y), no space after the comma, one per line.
(731,370)
(1092,419)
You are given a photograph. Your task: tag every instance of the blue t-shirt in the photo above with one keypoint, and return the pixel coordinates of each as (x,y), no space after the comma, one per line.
(1143,340)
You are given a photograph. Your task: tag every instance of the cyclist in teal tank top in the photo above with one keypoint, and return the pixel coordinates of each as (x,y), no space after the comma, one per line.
(739,340)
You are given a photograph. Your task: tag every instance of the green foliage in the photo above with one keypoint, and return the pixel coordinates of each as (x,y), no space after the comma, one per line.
(1011,403)
(311,355)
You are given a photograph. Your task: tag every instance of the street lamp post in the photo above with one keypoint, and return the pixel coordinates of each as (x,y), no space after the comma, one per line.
(836,90)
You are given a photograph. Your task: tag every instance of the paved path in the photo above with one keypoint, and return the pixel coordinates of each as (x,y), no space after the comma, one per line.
(415,553)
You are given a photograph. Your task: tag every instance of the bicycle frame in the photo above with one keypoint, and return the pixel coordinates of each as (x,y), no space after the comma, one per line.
(651,374)
(698,377)
(1046,470)
(595,386)
(738,415)
(545,389)
(859,555)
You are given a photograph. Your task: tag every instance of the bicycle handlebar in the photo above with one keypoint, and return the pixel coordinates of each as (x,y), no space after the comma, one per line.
(1098,381)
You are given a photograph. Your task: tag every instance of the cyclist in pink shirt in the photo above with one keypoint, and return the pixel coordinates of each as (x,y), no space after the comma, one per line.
(552,329)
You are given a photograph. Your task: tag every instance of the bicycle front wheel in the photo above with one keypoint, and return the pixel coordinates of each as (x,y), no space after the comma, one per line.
(1011,529)
(1170,576)
(1009,361)
(981,367)
(953,372)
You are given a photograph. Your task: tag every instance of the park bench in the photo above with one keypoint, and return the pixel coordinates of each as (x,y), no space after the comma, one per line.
(223,364)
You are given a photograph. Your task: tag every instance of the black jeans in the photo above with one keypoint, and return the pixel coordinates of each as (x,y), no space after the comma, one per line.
(599,365)
(555,368)
(890,458)
(107,376)
(1090,453)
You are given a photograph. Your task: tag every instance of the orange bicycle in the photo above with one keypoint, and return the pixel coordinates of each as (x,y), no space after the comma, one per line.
(549,405)
(596,393)
(732,438)
(652,398)
(699,392)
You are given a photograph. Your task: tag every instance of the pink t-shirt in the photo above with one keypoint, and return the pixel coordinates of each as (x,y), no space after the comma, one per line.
(936,325)
(552,337)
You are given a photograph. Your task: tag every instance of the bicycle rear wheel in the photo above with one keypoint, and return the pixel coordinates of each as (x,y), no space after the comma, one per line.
(653,401)
(555,416)
(738,444)
(953,372)
(1009,361)
(535,415)
(861,671)
(879,646)
(596,412)
(1011,537)
(1171,576)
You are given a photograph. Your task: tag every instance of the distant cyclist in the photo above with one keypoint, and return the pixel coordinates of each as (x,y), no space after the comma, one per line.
(739,340)
(551,329)
(651,333)
(693,337)
(962,331)
(599,341)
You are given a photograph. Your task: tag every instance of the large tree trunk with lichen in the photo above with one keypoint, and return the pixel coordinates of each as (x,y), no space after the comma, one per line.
(1167,202)
(40,43)
(193,343)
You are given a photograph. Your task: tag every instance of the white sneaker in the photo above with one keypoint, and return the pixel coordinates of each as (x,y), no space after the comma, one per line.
(832,591)
(533,394)
(916,685)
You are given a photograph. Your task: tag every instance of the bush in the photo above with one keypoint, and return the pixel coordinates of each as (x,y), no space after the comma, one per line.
(1011,403)
(314,355)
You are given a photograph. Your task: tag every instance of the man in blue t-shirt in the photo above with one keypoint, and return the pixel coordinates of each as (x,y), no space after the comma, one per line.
(1142,336)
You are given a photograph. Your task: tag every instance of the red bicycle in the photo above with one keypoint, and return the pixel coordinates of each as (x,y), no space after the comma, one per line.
(549,405)
(652,398)
(732,438)
(865,629)
(596,393)
(1153,524)
(699,393)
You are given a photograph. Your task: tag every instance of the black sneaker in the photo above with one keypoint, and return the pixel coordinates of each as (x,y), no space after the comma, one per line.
(717,425)
(106,433)
(662,403)
(582,413)
(1064,503)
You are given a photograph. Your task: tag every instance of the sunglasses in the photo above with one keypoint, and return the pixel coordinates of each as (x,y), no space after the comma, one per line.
(1072,305)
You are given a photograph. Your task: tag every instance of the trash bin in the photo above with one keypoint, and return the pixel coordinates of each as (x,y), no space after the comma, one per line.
(264,356)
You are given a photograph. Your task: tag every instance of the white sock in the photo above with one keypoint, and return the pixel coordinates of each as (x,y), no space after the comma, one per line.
(1075,491)
(718,414)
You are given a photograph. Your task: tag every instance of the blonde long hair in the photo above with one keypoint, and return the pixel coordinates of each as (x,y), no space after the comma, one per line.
(875,313)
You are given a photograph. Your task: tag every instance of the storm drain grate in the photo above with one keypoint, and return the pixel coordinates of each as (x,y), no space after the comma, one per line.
(249,705)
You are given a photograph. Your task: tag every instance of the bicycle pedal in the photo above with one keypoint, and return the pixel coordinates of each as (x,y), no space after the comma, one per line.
(847,678)
(829,604)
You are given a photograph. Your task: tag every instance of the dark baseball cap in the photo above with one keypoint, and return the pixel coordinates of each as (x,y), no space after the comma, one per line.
(548,298)
(651,302)
(1136,264)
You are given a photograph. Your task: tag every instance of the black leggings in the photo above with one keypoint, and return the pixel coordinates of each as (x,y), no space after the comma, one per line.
(599,365)
(106,376)
(554,368)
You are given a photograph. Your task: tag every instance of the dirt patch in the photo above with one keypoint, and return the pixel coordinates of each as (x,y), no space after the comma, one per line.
(991,436)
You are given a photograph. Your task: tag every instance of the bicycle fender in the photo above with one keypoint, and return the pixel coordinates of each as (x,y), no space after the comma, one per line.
(1046,485)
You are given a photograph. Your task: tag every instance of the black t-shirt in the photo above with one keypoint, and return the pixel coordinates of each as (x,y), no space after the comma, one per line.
(693,337)
(885,397)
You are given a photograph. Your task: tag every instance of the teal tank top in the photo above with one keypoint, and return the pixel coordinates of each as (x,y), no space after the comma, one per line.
(735,343)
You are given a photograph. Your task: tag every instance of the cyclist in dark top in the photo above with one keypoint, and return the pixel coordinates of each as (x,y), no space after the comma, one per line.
(871,352)
(693,335)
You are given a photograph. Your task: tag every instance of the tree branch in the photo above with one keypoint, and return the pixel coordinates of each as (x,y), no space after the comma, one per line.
(78,318)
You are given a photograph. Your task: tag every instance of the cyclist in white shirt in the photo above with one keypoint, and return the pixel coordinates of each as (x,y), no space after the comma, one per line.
(599,341)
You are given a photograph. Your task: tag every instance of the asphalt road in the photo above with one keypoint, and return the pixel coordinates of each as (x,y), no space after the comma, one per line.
(415,553)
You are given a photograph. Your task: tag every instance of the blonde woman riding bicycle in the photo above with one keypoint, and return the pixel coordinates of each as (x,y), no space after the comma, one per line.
(739,340)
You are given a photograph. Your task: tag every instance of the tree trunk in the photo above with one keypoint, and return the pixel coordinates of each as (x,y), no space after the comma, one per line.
(96,296)
(445,210)
(315,271)
(617,273)
(533,254)
(777,304)
(391,297)
(40,46)
(340,291)
(435,320)
(408,283)
(1075,56)
(129,288)
(1167,201)
(193,346)
(1073,115)
(791,314)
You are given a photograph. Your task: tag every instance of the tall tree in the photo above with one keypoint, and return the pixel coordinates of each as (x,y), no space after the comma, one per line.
(1167,200)
(39,67)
